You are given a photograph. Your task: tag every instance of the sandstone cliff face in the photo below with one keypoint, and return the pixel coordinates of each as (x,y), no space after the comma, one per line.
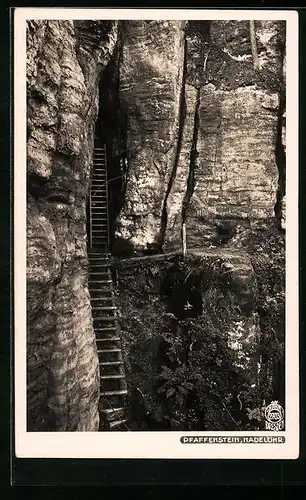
(204,146)
(150,75)
(64,63)
(214,156)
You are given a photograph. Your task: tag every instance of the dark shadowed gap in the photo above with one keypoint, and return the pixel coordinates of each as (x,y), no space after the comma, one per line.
(280,155)
(182,115)
(202,31)
(192,158)
(111,131)
(280,158)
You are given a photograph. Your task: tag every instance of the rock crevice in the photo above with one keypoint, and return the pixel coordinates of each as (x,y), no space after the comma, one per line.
(178,149)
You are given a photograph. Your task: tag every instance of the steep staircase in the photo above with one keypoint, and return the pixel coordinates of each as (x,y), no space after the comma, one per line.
(113,387)
(99,235)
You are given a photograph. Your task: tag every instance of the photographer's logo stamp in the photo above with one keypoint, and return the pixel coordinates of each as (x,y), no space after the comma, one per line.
(274,415)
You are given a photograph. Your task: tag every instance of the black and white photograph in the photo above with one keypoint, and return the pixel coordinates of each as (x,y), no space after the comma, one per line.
(158,220)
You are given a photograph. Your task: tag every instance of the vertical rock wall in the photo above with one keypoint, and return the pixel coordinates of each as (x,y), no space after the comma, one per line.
(151,76)
(65,59)
(236,174)
(221,163)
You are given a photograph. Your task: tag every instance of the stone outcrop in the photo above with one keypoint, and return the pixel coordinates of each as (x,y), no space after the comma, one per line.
(150,77)
(65,59)
(224,153)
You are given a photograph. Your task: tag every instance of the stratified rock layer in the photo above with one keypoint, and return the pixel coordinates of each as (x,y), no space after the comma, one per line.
(63,69)
(151,72)
(212,156)
(236,176)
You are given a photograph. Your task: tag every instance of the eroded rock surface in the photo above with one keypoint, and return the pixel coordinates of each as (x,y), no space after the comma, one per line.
(223,136)
(151,74)
(64,62)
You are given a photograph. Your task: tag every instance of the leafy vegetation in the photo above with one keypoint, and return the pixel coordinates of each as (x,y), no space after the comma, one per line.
(195,358)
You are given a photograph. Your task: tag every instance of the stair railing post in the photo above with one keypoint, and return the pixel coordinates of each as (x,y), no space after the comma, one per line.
(184,243)
(90,218)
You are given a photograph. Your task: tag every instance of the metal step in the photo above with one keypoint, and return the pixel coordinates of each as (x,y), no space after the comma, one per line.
(114,393)
(109,411)
(104,255)
(102,281)
(109,339)
(109,329)
(103,299)
(116,423)
(112,377)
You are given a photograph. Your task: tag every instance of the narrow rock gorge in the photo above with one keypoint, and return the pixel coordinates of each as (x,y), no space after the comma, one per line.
(193,118)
